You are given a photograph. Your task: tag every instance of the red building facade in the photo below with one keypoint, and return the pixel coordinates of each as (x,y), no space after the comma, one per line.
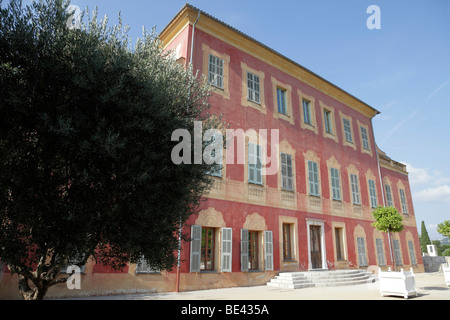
(313,212)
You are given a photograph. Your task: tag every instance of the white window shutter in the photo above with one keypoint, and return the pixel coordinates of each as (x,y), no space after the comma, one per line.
(196,240)
(244,250)
(268,246)
(226,249)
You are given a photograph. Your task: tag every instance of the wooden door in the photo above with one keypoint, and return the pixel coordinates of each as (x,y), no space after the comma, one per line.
(316,247)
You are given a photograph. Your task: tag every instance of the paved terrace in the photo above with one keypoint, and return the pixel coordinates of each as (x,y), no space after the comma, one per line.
(431,286)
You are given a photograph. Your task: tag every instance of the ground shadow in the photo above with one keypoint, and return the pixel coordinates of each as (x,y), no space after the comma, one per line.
(435,288)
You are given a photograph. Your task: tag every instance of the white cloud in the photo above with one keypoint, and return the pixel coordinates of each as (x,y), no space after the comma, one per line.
(433,185)
(421,176)
(418,175)
(437,194)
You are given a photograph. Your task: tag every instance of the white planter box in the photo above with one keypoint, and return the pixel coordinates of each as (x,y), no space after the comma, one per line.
(397,283)
(446,271)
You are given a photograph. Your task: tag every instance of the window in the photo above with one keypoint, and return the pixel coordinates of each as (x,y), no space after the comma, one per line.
(215,67)
(355,189)
(339,239)
(307,112)
(252,84)
(327,121)
(281,101)
(362,258)
(412,254)
(253,261)
(335,184)
(364,138)
(380,252)
(215,71)
(251,251)
(388,195)
(329,126)
(207,249)
(403,201)
(287,248)
(313,176)
(254,164)
(253,91)
(204,249)
(286,172)
(347,130)
(372,193)
(397,252)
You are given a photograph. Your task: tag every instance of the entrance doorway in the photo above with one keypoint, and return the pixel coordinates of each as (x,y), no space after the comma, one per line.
(316,247)
(316,244)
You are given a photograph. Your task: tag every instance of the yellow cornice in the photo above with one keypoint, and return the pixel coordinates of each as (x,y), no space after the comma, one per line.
(178,23)
(390,164)
(237,39)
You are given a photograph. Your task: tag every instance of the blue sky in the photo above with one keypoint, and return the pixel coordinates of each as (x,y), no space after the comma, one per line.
(402,69)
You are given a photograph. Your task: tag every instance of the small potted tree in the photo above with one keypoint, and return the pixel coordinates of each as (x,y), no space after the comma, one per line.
(444,229)
(388,219)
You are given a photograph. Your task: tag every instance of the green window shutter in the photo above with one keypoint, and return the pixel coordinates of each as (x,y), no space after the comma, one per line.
(380,252)
(397,253)
(373,194)
(335,184)
(254,163)
(251,162)
(389,196)
(403,201)
(244,250)
(355,189)
(196,236)
(268,248)
(412,254)
(287,182)
(347,130)
(361,252)
(226,249)
(365,138)
(313,177)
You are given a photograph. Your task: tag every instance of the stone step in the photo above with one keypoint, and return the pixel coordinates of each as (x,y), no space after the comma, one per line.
(295,280)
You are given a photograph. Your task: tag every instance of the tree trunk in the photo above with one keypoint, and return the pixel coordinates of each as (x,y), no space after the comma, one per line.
(392,254)
(37,292)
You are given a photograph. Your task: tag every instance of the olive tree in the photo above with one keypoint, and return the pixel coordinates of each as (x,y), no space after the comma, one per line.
(85,145)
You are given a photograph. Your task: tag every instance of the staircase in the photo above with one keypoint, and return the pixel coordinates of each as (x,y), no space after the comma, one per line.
(327,278)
